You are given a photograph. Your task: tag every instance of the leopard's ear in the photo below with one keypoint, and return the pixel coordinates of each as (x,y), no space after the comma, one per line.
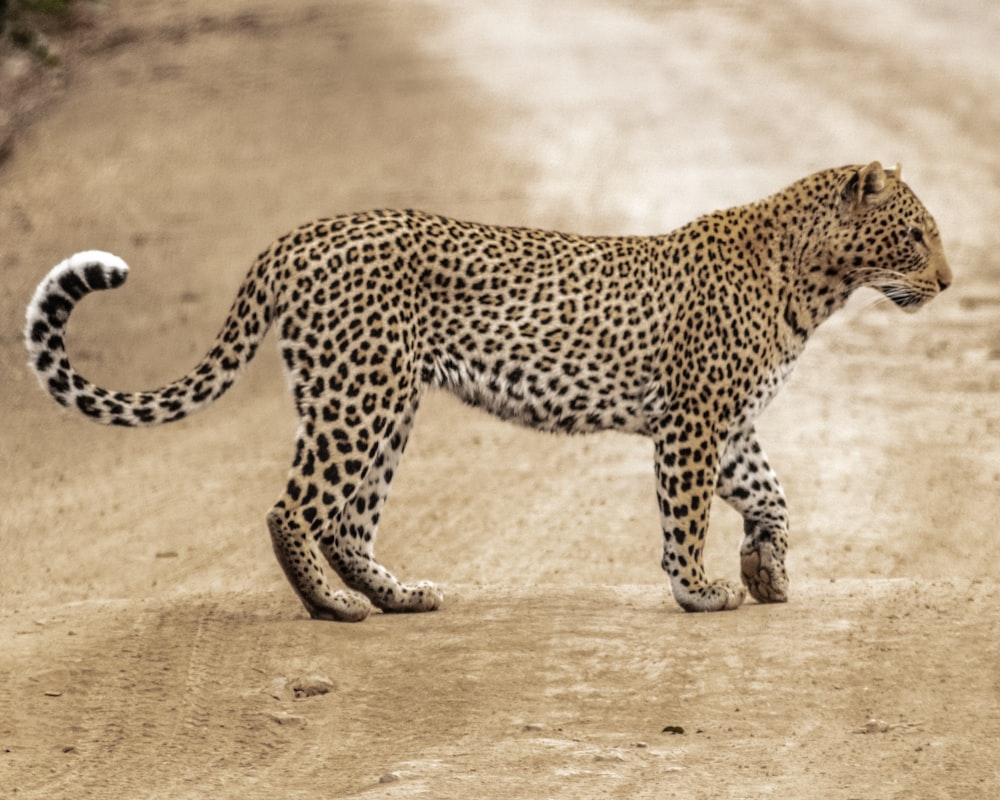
(867,186)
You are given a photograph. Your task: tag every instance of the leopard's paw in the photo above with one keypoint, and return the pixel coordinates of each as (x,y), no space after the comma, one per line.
(341,607)
(718,595)
(411,598)
(762,568)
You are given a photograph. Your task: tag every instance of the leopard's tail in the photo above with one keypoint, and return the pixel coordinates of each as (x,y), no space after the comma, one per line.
(45,335)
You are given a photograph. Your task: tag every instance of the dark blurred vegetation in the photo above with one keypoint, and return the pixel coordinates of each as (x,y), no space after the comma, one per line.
(24,23)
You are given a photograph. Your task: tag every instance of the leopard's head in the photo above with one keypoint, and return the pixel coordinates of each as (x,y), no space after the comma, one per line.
(886,239)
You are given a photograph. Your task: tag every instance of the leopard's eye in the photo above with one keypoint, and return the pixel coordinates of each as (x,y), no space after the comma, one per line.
(916,235)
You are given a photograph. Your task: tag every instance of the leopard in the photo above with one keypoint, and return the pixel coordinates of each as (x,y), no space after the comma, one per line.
(682,338)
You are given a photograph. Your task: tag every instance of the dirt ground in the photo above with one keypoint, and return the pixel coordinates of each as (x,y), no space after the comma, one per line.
(149,645)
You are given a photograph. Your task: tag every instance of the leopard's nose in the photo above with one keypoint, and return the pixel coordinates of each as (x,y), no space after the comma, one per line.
(943,275)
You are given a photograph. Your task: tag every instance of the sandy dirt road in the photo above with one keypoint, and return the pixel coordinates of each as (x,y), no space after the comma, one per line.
(149,645)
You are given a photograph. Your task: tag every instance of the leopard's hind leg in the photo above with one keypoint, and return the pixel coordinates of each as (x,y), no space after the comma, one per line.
(349,545)
(324,477)
(337,487)
(294,539)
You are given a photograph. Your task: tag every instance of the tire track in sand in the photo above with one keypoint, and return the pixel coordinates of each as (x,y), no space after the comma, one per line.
(185,694)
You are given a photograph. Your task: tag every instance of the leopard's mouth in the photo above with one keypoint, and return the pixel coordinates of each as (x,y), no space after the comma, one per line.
(906,299)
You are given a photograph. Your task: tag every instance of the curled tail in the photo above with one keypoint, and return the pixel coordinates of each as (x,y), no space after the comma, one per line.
(83,273)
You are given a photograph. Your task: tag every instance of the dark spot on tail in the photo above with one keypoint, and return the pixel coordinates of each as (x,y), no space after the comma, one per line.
(58,386)
(38,331)
(116,279)
(73,286)
(96,276)
(86,406)
(56,308)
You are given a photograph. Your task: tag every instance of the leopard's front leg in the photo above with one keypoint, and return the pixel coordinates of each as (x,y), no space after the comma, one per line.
(748,484)
(687,467)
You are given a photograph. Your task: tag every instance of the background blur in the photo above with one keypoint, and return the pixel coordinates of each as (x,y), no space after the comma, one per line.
(185,138)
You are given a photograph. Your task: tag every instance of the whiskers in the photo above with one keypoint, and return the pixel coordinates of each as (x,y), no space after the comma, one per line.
(871,301)
(872,276)
(893,286)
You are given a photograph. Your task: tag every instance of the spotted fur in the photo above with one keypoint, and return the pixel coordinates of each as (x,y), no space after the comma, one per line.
(683,338)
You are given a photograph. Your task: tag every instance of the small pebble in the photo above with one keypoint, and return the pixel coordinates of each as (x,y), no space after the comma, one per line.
(311,686)
(284,718)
